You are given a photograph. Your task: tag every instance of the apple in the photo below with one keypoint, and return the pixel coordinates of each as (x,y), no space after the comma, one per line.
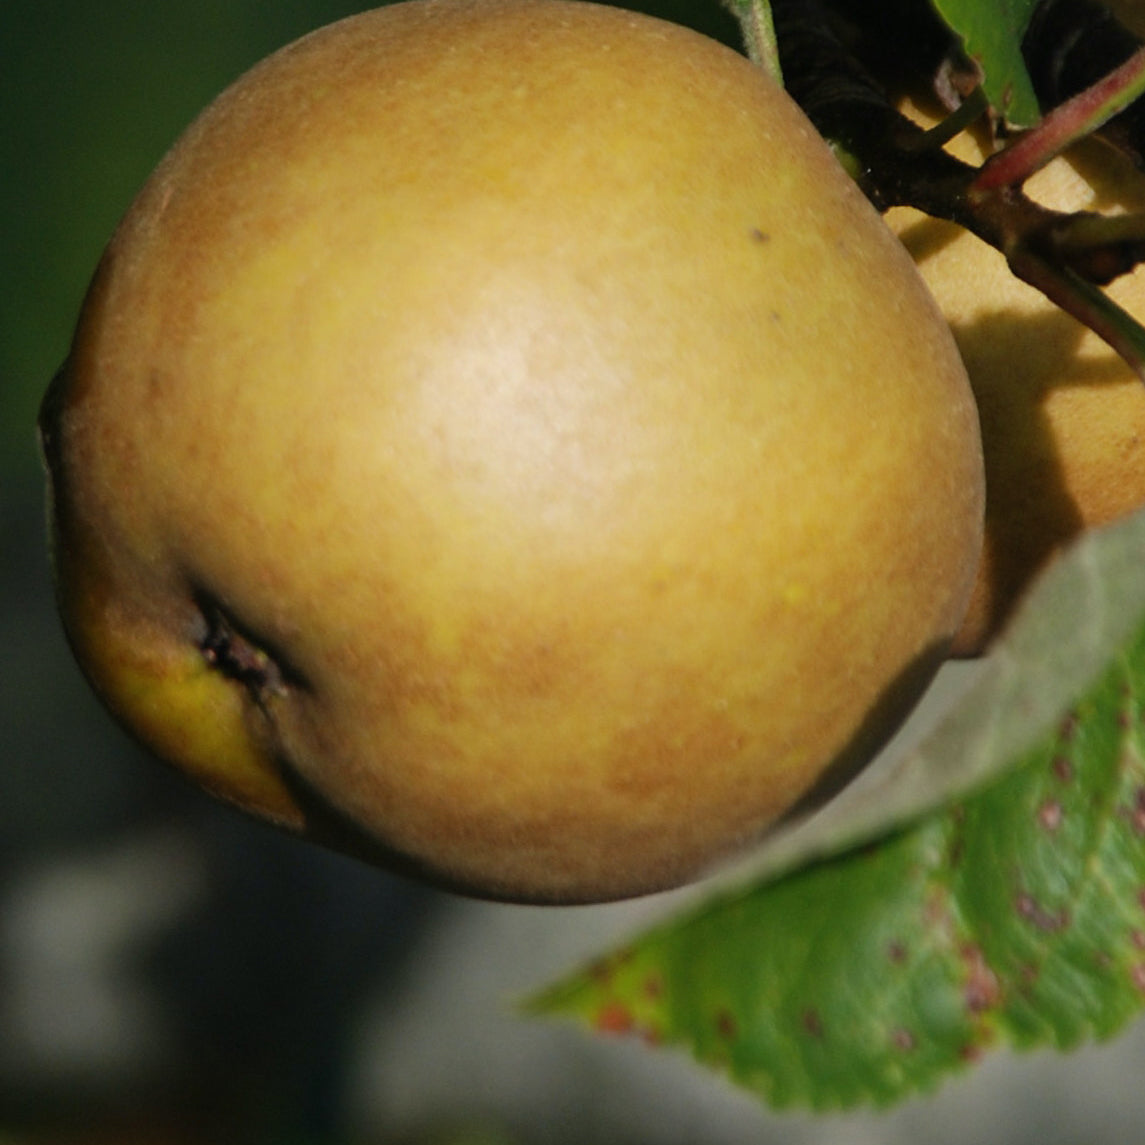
(1062,416)
(501,442)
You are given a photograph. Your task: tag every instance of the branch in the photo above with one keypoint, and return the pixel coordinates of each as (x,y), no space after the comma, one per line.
(1066,256)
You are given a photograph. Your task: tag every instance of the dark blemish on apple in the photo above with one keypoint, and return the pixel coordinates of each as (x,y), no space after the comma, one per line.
(240,656)
(1033,912)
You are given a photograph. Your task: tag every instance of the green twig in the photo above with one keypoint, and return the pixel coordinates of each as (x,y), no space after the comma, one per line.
(758,30)
(1064,126)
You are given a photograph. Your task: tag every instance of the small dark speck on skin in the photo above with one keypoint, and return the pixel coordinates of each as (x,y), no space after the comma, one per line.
(759,236)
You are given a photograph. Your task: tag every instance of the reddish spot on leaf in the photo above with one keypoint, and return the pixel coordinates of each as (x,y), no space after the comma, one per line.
(726,1025)
(903,1040)
(615,1018)
(601,971)
(1063,769)
(1050,815)
(1138,976)
(896,952)
(1034,913)
(653,986)
(982,991)
(813,1022)
(934,910)
(1068,727)
(1135,814)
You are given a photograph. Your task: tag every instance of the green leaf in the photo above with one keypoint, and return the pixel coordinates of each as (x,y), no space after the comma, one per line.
(991,32)
(1014,917)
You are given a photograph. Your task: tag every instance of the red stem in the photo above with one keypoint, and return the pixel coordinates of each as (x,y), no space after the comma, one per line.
(1066,124)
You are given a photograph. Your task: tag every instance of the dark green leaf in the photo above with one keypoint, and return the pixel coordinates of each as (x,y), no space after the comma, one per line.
(991,32)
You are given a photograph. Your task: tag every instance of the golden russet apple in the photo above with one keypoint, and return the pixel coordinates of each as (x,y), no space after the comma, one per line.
(1062,416)
(501,442)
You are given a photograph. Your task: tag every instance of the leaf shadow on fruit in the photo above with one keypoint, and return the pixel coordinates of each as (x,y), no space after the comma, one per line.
(330,828)
(884,717)
(327,826)
(1016,362)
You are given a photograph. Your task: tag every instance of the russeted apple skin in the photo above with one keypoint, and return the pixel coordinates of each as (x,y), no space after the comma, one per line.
(1062,416)
(500,438)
